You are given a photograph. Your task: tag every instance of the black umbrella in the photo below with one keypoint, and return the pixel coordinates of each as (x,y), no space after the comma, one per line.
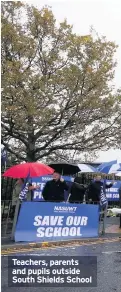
(65,168)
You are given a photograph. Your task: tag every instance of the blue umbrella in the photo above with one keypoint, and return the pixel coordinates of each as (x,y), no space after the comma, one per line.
(109,167)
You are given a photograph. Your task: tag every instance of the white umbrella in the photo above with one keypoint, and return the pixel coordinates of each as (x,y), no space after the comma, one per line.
(85,168)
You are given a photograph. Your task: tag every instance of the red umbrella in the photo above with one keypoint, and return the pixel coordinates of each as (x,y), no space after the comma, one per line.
(34,169)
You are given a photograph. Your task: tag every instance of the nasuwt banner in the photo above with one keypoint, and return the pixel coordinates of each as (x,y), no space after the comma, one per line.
(42,222)
(112,194)
(41,181)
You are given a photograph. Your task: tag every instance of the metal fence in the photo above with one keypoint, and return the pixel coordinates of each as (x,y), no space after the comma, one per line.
(7,218)
(7,185)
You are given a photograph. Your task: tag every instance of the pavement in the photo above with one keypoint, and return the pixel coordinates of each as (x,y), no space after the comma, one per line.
(108,254)
(113,229)
(107,249)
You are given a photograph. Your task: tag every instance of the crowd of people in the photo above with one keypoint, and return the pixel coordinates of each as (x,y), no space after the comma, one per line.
(54,190)
(78,193)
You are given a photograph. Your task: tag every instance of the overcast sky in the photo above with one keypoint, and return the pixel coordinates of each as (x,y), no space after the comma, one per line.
(105,17)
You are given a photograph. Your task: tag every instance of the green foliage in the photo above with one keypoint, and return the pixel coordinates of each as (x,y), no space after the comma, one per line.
(56,92)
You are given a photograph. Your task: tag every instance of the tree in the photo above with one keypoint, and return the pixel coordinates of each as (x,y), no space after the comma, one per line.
(116,134)
(56,92)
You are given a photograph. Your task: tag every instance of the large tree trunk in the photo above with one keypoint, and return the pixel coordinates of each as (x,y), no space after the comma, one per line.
(30,155)
(30,150)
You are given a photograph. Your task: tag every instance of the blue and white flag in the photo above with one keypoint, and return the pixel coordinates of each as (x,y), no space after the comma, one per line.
(109,167)
(85,168)
(3,156)
(103,199)
(24,189)
(104,186)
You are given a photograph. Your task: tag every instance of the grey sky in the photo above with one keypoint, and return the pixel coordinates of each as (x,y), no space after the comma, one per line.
(105,17)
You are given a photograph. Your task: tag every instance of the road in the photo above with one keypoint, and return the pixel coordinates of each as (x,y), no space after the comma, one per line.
(108,272)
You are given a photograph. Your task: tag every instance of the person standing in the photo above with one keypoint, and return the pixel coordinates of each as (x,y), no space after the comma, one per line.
(16,191)
(96,194)
(77,192)
(54,189)
(93,191)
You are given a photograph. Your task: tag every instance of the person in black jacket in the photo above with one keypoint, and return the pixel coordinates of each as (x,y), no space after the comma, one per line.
(54,189)
(77,192)
(94,189)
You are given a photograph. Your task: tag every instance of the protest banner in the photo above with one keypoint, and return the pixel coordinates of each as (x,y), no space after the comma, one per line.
(112,194)
(42,222)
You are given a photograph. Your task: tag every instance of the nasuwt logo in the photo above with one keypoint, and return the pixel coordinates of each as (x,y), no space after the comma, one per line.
(46,178)
(64,209)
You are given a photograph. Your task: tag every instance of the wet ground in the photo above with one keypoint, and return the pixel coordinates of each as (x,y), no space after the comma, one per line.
(108,266)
